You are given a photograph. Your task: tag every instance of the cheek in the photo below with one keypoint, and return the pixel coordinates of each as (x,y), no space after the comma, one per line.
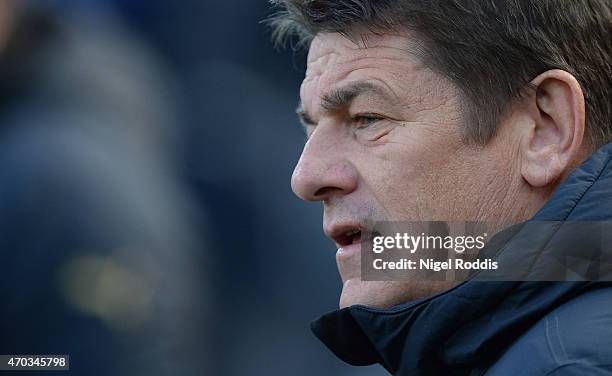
(407,175)
(390,182)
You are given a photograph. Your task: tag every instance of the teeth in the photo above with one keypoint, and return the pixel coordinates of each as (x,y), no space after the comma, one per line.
(352,232)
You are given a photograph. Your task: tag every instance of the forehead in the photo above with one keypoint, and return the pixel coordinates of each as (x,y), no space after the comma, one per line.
(368,44)
(334,60)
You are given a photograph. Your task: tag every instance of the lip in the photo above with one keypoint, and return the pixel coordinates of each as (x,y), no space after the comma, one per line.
(348,252)
(349,249)
(340,233)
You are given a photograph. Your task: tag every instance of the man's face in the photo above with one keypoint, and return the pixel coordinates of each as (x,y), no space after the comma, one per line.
(385,143)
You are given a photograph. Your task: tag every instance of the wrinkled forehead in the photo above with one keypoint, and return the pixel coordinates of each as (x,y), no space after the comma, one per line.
(334,59)
(327,46)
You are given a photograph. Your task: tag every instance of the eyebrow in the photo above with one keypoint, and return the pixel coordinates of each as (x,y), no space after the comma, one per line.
(340,98)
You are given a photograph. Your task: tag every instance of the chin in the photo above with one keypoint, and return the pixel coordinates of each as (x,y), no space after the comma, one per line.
(371,293)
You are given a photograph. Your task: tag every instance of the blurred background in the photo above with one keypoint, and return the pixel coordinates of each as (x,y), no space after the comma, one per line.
(147,225)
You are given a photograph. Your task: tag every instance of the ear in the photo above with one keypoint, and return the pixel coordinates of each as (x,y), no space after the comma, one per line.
(553,139)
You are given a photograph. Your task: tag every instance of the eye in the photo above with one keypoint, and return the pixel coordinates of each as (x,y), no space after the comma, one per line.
(363,121)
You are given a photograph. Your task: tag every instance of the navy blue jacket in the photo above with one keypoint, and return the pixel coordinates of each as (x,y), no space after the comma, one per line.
(496,328)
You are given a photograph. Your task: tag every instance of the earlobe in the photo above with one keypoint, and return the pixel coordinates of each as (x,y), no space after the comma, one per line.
(553,141)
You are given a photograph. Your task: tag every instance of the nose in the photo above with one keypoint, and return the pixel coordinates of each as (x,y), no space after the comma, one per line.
(323,170)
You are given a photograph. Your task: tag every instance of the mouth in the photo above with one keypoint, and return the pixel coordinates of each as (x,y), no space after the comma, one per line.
(350,234)
(345,238)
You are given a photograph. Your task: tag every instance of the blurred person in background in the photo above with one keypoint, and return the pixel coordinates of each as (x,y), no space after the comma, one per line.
(102,247)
